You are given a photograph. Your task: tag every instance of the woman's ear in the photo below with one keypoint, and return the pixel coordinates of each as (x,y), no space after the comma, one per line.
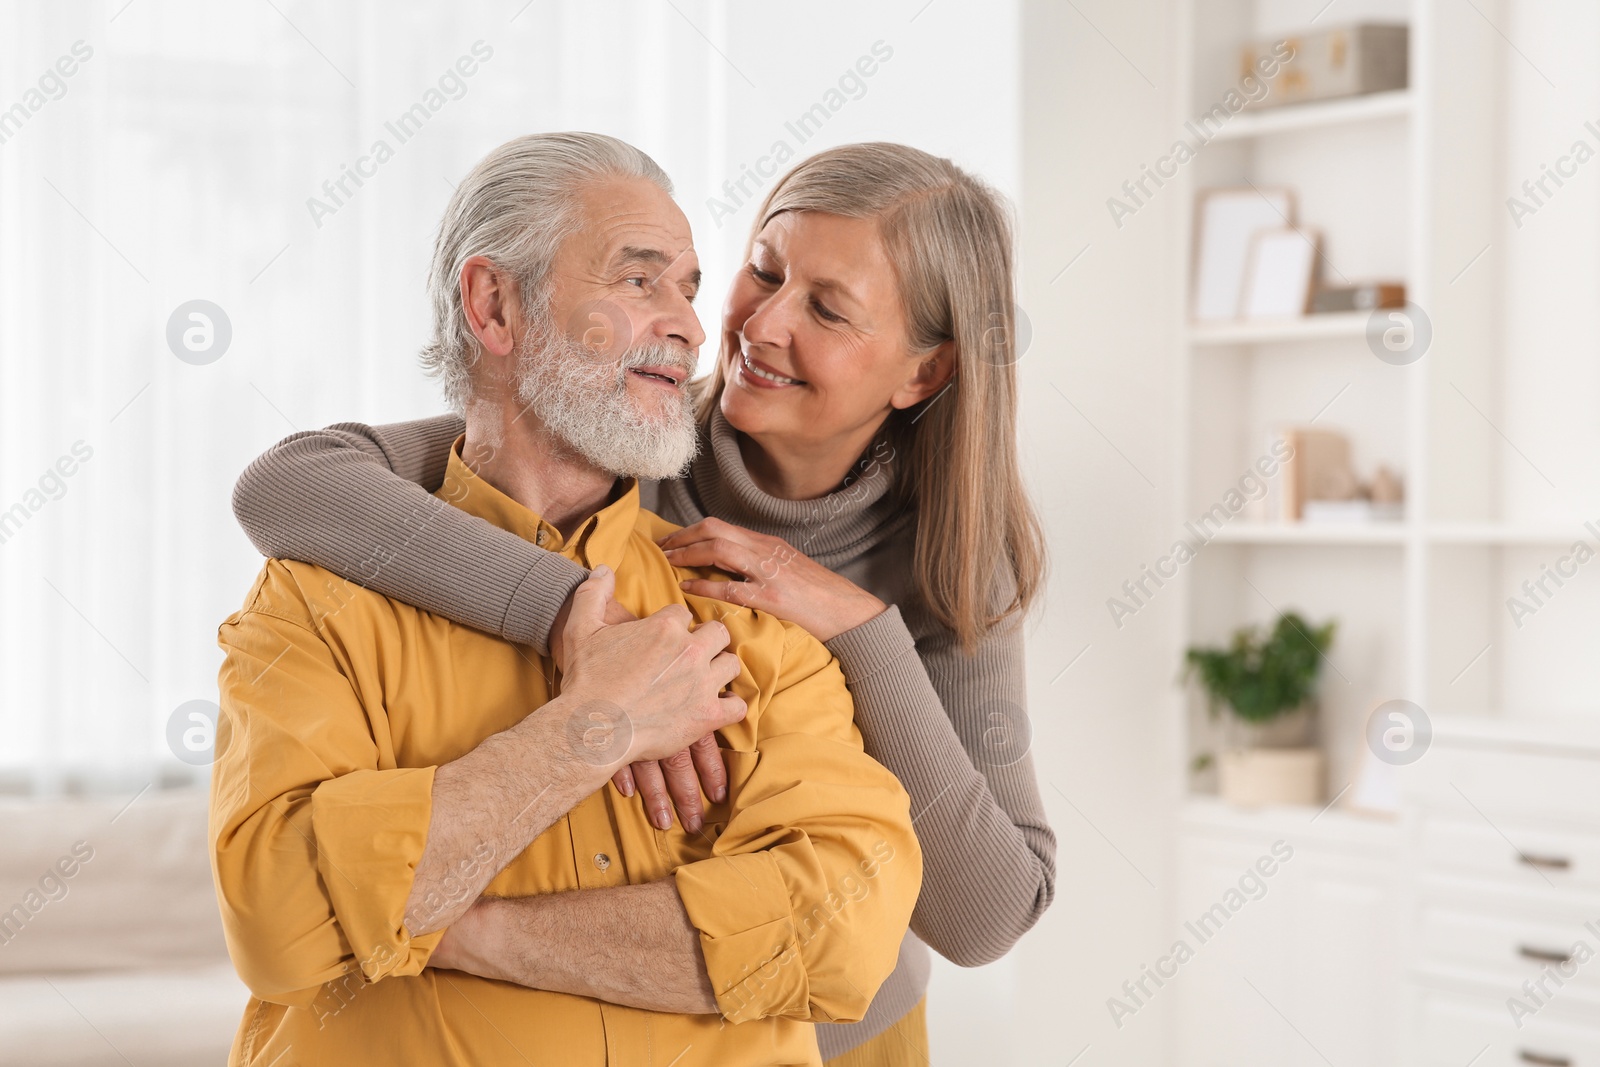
(933,373)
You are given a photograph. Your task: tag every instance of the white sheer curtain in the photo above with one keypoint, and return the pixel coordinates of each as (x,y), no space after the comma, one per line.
(175,163)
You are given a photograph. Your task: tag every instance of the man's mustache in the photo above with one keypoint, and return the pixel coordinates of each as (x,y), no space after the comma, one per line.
(659,354)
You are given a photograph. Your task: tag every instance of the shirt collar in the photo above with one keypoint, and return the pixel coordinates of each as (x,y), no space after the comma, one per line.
(601,538)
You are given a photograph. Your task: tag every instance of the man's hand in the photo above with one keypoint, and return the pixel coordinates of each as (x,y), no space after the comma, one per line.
(643,690)
(674,782)
(615,613)
(634,691)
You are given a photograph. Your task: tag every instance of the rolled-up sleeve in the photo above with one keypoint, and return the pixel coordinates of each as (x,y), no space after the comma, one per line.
(313,845)
(803,904)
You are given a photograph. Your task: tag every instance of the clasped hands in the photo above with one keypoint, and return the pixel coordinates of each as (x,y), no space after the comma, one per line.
(772,577)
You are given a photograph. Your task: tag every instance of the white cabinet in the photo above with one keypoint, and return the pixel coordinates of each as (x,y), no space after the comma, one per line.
(1304,971)
(1504,897)
(1454,1030)
(1468,932)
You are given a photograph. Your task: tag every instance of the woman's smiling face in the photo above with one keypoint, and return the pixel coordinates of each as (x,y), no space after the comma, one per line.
(817,350)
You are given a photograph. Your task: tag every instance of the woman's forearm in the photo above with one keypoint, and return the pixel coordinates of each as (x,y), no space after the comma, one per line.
(953,729)
(357,500)
(631,945)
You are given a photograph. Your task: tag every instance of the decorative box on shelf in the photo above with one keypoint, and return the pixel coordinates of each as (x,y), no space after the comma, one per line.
(1333,63)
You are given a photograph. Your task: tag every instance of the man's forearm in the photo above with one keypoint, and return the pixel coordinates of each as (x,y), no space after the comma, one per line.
(631,945)
(487,806)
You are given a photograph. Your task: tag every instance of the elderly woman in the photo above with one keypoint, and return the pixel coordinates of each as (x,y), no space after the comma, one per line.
(857,475)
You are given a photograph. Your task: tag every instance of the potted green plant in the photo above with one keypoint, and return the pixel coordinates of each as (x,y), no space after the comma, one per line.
(1266,681)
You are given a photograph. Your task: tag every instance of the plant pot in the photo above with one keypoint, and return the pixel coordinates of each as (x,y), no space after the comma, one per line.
(1257,777)
(1292,729)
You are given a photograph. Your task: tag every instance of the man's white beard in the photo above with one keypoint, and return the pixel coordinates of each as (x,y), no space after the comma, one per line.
(582,399)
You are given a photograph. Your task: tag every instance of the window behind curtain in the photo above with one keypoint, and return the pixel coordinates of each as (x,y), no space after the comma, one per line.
(176,164)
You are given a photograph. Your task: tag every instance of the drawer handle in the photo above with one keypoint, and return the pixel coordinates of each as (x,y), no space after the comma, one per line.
(1549,863)
(1543,1060)
(1543,955)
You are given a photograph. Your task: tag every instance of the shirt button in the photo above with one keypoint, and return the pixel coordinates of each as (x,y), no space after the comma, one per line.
(541,538)
(601,860)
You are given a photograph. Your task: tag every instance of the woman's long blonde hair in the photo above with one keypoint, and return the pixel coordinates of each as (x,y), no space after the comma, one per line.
(979,553)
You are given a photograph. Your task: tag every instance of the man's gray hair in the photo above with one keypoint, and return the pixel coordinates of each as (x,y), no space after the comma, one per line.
(516,208)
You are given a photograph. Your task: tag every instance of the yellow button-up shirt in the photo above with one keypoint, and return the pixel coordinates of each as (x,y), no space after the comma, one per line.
(338,705)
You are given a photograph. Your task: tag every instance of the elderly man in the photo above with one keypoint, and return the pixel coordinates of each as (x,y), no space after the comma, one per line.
(417,853)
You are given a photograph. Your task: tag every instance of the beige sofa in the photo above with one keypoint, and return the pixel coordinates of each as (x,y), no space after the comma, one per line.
(111,949)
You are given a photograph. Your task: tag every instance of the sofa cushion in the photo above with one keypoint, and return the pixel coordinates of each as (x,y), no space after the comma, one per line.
(89,885)
(176,1018)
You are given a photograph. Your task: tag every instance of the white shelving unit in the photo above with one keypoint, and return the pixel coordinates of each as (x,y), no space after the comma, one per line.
(1359,168)
(1398,190)
(1369,108)
(1310,328)
(1264,533)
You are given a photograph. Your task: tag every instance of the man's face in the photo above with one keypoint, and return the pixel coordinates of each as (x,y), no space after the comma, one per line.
(605,370)
(630,274)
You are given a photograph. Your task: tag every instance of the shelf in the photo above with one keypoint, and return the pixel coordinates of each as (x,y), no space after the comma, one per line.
(1205,812)
(1394,533)
(1285,533)
(1497,533)
(1563,735)
(1277,331)
(1373,107)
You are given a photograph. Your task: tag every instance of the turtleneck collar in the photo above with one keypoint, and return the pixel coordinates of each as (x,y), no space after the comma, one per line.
(831,529)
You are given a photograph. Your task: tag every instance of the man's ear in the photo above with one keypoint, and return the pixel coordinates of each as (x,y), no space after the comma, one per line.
(490,299)
(933,373)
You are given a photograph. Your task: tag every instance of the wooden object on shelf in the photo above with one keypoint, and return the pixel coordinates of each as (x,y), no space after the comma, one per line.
(1381,500)
(1318,469)
(1281,273)
(1227,219)
(1260,777)
(1364,297)
(1368,57)
(1386,487)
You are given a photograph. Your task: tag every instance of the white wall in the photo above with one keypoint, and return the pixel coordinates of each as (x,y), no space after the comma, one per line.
(950,86)
(1098,100)
(1549,374)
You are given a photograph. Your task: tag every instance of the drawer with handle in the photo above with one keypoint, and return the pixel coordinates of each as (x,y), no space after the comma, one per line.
(1502,949)
(1507,781)
(1513,853)
(1457,1029)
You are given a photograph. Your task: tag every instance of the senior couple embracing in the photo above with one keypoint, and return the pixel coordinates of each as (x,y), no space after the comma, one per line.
(624,718)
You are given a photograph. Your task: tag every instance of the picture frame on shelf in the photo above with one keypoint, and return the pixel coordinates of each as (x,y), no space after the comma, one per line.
(1280,274)
(1226,221)
(1374,790)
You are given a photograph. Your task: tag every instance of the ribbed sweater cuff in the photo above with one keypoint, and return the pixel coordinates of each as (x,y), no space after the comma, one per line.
(877,643)
(538,599)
